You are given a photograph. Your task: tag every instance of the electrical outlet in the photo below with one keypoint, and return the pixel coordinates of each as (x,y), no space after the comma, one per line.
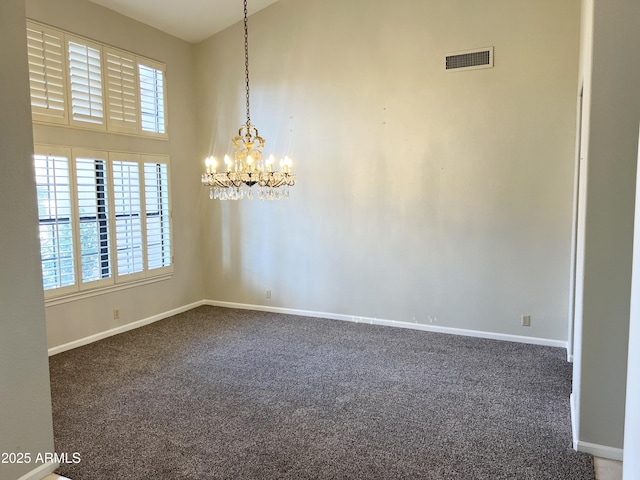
(268,294)
(526,320)
(116,314)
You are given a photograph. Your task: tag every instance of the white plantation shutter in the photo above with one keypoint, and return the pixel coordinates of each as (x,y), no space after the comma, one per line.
(46,73)
(81,83)
(157,212)
(152,97)
(85,82)
(93,217)
(55,218)
(120,85)
(104,218)
(128,217)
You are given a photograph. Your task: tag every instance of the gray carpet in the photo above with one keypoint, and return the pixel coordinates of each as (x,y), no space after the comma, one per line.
(218,393)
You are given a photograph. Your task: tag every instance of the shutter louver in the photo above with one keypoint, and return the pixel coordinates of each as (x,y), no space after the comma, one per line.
(156,180)
(85,78)
(152,107)
(128,217)
(46,74)
(91,180)
(55,220)
(122,102)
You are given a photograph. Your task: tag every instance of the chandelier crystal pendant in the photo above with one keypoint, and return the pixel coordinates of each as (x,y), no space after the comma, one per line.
(247,168)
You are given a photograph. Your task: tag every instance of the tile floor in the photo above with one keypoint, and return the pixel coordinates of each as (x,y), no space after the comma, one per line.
(605,470)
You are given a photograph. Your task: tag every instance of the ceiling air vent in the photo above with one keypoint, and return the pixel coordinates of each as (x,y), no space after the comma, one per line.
(470,59)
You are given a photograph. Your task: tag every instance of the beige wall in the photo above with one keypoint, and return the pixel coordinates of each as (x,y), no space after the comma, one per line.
(631,458)
(606,220)
(440,198)
(424,196)
(474,231)
(486,160)
(79,319)
(25,413)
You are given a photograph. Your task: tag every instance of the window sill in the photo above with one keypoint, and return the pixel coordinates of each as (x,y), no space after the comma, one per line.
(75,296)
(89,128)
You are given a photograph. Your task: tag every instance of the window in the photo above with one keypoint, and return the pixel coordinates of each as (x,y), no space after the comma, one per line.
(152,98)
(104,218)
(47,77)
(85,84)
(122,99)
(156,190)
(128,216)
(85,81)
(53,182)
(93,216)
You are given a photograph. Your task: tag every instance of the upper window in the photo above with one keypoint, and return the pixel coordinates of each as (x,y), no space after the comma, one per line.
(81,83)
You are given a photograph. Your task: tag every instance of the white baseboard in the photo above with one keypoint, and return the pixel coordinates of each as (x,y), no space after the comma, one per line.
(308,313)
(574,421)
(394,323)
(601,450)
(595,449)
(124,328)
(40,472)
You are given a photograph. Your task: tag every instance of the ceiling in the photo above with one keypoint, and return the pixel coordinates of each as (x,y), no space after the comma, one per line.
(191,20)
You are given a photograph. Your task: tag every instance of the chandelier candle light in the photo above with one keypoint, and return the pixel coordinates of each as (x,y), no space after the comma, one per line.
(247,168)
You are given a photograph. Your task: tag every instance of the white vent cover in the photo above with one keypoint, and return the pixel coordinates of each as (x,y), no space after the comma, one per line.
(470,59)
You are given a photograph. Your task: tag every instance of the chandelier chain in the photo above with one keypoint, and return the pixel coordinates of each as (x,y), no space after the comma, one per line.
(246,60)
(248,169)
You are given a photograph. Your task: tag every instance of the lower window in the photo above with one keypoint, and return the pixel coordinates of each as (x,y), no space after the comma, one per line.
(104,218)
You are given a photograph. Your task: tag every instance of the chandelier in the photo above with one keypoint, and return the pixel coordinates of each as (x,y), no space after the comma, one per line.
(247,168)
